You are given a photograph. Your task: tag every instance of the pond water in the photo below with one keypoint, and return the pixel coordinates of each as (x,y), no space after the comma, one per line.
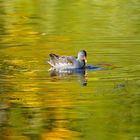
(100,104)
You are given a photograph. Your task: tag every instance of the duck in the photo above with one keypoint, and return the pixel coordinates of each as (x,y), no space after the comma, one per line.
(68,62)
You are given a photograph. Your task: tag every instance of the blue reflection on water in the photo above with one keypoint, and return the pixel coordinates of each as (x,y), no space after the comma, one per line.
(91,67)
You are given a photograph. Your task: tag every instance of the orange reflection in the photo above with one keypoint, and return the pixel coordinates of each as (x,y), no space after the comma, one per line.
(60,134)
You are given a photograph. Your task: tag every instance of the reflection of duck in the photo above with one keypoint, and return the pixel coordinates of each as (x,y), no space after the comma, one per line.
(68,62)
(63,73)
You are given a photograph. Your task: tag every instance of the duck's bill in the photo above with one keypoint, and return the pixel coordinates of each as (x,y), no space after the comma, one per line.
(85,60)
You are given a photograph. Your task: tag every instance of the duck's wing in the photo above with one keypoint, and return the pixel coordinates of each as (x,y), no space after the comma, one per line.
(61,61)
(67,60)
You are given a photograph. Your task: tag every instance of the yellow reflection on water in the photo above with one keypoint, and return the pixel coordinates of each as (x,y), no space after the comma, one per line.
(60,134)
(38,104)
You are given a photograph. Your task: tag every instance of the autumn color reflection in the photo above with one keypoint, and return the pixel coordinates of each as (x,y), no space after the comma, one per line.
(37,104)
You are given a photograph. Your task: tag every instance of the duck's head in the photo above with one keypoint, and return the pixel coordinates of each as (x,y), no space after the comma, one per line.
(82,55)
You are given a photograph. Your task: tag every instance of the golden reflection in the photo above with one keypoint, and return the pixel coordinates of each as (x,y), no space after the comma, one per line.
(27,99)
(23,83)
(58,103)
(17,25)
(60,134)
(25,94)
(35,105)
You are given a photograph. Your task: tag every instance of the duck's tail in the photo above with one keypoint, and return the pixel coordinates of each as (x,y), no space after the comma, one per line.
(53,59)
(53,56)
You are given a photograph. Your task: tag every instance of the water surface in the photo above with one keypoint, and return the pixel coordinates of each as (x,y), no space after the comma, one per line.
(94,105)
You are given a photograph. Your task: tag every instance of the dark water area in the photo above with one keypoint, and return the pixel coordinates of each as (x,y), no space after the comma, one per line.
(91,104)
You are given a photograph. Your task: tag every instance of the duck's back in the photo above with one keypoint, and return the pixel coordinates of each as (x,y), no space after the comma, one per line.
(65,62)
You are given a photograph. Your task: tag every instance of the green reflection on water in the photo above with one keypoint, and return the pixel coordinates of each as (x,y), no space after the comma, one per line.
(34,105)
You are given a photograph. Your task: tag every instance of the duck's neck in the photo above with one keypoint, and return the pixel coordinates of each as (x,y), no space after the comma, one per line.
(82,63)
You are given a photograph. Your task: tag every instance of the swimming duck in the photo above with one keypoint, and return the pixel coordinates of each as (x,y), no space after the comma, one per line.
(68,62)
